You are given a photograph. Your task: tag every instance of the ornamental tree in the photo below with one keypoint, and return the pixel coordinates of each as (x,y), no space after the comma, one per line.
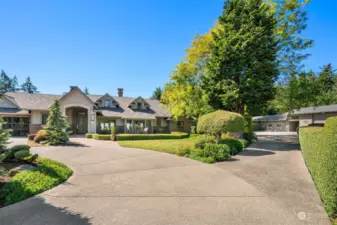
(56,125)
(219,122)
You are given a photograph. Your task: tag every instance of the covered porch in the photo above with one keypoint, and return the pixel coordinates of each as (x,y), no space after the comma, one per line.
(78,119)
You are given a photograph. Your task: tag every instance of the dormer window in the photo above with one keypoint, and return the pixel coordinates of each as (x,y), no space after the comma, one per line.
(139,105)
(107,103)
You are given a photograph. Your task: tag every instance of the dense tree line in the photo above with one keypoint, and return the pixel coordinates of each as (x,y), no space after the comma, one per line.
(11,84)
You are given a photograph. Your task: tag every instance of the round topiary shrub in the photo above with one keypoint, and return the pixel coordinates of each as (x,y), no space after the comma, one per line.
(21,154)
(219,122)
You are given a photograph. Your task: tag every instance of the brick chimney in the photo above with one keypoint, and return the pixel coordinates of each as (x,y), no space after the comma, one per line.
(120,92)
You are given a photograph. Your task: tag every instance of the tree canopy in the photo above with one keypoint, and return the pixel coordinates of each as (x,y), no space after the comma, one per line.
(157,93)
(242,68)
(28,86)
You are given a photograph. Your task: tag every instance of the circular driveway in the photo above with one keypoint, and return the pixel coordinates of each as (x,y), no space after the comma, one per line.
(266,184)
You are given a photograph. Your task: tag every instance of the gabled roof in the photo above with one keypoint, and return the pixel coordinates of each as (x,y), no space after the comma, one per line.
(104,96)
(73,89)
(139,97)
(28,101)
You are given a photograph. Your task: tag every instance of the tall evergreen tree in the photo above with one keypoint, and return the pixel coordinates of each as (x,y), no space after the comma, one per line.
(7,84)
(157,93)
(56,125)
(28,86)
(243,68)
(86,91)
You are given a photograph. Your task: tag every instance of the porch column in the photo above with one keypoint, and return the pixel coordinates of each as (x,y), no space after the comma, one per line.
(91,121)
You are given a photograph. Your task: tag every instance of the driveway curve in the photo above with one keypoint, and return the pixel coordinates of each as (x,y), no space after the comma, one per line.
(267,184)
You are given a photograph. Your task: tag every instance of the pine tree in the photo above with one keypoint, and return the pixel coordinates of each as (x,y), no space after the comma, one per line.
(28,86)
(157,93)
(56,125)
(5,135)
(6,82)
(242,68)
(86,91)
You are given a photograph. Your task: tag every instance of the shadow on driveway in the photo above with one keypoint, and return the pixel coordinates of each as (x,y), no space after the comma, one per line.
(36,210)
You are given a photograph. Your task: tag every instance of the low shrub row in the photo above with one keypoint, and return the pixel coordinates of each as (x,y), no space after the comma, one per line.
(104,137)
(88,135)
(319,148)
(173,135)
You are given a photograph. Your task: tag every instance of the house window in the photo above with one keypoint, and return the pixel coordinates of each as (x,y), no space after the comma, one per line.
(139,105)
(44,118)
(18,125)
(158,121)
(180,124)
(106,103)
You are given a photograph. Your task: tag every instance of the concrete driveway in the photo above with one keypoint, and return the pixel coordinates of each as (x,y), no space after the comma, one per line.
(266,184)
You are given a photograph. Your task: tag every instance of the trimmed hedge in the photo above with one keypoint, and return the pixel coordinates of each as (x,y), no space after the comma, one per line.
(19,147)
(319,148)
(89,135)
(104,137)
(128,137)
(235,146)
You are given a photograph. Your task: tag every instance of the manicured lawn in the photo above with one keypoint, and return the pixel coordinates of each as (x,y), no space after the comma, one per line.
(169,146)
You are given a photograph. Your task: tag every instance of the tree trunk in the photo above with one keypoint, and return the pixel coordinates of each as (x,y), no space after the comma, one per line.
(218,136)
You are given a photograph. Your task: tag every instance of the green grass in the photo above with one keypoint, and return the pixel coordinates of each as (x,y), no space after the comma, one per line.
(29,183)
(166,145)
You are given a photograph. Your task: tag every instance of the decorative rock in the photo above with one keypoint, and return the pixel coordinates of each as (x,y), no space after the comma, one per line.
(19,169)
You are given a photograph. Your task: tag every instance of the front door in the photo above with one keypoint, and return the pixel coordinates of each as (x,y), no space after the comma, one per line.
(81,123)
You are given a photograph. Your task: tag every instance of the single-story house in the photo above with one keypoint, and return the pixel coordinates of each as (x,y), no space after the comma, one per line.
(297,118)
(27,113)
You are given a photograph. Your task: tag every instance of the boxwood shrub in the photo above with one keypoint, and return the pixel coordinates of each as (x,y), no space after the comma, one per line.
(234,145)
(319,148)
(105,137)
(88,135)
(173,135)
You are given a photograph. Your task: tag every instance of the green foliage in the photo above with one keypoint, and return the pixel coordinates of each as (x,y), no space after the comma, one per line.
(319,147)
(8,84)
(204,139)
(331,126)
(219,122)
(88,135)
(307,89)
(250,137)
(174,135)
(56,125)
(292,46)
(28,86)
(183,94)
(86,91)
(242,67)
(157,93)
(40,138)
(19,147)
(113,130)
(29,183)
(5,135)
(21,154)
(234,145)
(244,142)
(211,153)
(105,137)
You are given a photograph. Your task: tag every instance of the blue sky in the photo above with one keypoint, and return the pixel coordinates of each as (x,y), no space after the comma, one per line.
(133,44)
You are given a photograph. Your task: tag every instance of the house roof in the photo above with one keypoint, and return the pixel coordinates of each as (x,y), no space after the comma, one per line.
(282,117)
(26,101)
(12,111)
(318,109)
